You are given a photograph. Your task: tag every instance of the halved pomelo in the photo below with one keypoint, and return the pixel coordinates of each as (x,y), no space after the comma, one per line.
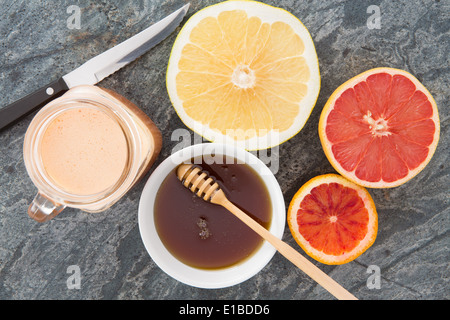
(380,128)
(245,73)
(333,219)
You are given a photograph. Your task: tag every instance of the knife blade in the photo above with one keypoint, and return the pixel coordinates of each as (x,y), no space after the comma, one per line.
(95,69)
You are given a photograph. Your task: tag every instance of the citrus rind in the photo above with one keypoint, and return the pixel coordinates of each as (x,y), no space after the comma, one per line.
(326,145)
(364,244)
(266,13)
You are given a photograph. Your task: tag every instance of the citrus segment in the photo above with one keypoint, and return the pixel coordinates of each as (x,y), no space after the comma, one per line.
(333,219)
(380,128)
(244,72)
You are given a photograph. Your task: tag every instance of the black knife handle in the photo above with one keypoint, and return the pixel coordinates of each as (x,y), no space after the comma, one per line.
(33,101)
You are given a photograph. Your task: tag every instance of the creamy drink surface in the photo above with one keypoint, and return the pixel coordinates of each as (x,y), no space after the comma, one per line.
(84,151)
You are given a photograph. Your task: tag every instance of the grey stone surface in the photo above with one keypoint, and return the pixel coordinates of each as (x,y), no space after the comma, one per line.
(36,47)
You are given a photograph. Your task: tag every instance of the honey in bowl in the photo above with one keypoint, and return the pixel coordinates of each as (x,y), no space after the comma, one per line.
(205,235)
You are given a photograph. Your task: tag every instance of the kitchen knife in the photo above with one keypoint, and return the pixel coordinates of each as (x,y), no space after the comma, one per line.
(95,69)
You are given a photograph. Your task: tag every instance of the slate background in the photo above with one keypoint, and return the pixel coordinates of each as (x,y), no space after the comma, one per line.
(36,47)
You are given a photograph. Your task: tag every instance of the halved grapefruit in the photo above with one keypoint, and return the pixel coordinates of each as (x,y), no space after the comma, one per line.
(245,73)
(333,219)
(380,128)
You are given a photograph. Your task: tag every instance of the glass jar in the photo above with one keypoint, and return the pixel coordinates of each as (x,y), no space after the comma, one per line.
(140,138)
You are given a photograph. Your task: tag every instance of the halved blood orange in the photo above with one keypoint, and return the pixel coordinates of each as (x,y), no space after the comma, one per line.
(333,219)
(380,128)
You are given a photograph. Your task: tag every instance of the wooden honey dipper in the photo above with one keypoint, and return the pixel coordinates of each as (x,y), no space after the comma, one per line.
(204,186)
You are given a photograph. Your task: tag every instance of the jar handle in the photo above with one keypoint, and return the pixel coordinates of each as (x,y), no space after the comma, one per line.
(43,208)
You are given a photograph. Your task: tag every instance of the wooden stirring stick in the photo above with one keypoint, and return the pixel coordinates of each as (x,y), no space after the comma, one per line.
(203,186)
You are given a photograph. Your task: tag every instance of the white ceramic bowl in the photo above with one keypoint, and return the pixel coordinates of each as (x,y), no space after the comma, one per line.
(202,278)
